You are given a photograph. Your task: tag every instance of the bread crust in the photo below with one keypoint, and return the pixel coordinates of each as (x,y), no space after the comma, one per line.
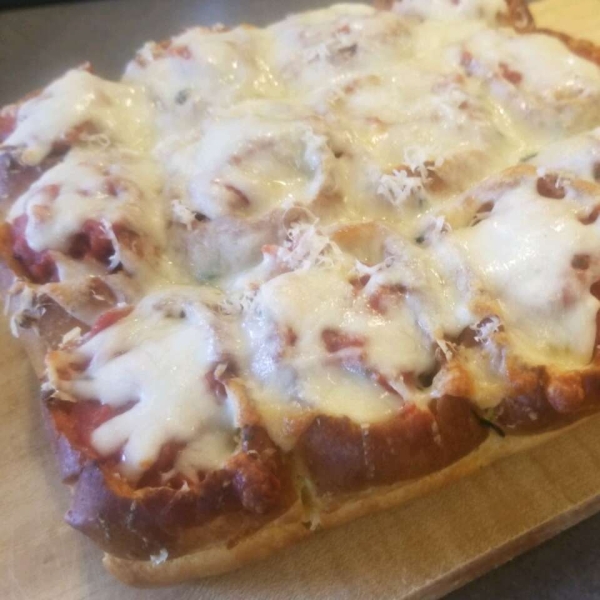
(334,511)
(340,455)
(213,559)
(253,488)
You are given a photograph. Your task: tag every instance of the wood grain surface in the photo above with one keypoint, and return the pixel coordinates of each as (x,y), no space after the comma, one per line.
(422,550)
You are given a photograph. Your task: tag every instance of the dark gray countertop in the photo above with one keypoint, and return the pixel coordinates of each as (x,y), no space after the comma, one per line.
(38,44)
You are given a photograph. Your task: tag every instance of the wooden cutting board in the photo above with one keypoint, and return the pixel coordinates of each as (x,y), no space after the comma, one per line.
(421,550)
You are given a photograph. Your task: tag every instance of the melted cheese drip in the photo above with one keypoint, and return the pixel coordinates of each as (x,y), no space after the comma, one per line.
(158,358)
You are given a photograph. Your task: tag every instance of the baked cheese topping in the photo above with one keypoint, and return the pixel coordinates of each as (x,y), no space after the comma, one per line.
(311,323)
(248,164)
(191,74)
(318,48)
(81,106)
(451,10)
(536,256)
(157,364)
(534,77)
(105,187)
(579,156)
(320,176)
(413,137)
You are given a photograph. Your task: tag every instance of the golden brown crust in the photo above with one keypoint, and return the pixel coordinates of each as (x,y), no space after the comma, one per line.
(253,488)
(215,558)
(341,455)
(334,511)
(156,520)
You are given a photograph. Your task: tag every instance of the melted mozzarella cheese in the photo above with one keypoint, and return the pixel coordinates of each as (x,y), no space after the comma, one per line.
(524,252)
(79,99)
(157,358)
(432,37)
(450,10)
(248,164)
(288,330)
(105,187)
(437,286)
(201,69)
(579,155)
(443,122)
(412,137)
(536,76)
(321,47)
